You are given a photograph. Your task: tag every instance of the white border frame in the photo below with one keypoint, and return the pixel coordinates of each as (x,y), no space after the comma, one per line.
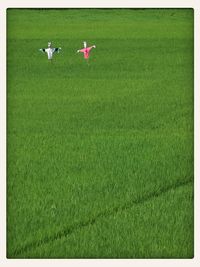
(195,4)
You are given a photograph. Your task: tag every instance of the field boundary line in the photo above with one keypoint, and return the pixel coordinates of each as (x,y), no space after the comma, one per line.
(71,229)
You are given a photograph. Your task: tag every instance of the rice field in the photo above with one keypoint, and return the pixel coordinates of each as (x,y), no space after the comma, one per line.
(100,155)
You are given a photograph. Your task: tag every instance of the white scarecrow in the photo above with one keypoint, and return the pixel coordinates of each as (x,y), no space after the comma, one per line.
(50,50)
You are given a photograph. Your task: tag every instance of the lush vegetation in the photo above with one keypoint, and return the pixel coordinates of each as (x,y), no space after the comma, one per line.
(100,156)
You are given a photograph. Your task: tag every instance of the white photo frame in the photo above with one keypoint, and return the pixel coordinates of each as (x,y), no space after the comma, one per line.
(195,4)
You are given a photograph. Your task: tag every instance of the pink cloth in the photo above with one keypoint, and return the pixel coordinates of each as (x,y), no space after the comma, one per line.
(86,51)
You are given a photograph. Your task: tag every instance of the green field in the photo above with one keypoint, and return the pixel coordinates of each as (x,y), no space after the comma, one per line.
(100,156)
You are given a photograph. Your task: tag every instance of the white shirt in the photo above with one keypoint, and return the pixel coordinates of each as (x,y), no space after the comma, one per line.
(50,51)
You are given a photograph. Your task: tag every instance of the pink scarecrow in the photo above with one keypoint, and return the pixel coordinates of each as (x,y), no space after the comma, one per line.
(86,50)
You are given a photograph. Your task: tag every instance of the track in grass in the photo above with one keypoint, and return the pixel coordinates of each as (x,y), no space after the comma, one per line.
(84,141)
(66,232)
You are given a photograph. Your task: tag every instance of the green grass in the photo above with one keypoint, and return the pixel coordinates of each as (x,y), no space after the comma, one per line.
(160,214)
(100,157)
